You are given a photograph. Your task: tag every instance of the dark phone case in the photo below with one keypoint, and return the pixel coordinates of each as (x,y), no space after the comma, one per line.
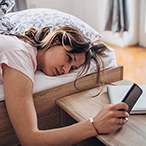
(132,96)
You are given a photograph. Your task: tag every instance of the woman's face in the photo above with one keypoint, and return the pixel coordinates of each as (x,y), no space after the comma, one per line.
(57,61)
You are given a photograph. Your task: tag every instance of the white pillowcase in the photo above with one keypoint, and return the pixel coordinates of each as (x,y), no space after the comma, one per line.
(40,17)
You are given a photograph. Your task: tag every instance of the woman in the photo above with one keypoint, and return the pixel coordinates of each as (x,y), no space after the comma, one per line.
(54,51)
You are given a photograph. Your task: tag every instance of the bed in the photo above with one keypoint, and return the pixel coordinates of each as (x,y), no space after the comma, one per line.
(48,89)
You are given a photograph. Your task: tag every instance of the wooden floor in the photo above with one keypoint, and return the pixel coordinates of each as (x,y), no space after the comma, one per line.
(133,58)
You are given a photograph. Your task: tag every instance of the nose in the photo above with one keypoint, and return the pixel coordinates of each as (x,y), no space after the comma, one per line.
(66,68)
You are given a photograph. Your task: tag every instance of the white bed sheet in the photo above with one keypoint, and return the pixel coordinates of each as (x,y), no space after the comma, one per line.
(43,82)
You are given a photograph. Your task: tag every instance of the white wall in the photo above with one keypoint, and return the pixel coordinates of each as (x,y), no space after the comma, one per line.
(142,24)
(94,12)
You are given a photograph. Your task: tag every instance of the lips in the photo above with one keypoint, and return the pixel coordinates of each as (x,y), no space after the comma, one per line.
(57,73)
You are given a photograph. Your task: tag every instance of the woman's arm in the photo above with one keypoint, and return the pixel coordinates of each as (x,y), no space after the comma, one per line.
(19,102)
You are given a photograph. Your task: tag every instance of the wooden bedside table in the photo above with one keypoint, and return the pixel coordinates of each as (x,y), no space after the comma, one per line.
(82,106)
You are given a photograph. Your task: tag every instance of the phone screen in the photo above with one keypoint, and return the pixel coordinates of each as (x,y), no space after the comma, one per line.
(132,96)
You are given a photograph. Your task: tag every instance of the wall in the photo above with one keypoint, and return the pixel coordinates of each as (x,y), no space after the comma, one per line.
(142,24)
(93,12)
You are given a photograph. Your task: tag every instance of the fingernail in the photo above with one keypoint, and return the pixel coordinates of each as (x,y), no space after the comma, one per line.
(125,120)
(127,114)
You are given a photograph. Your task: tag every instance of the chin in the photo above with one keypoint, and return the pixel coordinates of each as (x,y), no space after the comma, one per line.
(48,74)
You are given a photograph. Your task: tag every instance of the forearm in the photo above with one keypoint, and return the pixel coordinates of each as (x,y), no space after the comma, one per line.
(28,133)
(68,135)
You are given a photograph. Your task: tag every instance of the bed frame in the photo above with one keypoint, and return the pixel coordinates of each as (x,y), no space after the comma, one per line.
(49,114)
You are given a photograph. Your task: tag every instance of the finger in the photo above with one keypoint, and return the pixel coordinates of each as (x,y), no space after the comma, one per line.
(121,121)
(121,114)
(121,105)
(118,120)
(118,124)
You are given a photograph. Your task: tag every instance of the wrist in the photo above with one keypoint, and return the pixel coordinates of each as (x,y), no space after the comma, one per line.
(92,122)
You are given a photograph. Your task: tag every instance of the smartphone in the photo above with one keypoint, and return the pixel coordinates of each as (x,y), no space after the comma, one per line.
(132,96)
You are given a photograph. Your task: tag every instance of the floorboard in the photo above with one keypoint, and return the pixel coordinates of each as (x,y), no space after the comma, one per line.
(133,58)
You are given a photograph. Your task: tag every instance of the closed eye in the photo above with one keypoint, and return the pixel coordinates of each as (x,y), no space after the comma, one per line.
(70,58)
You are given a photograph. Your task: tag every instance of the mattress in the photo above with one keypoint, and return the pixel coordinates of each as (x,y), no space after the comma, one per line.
(44,82)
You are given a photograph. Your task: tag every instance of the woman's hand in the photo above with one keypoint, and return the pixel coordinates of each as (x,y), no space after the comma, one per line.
(109,118)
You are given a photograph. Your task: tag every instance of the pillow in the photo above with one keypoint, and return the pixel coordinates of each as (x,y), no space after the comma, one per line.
(5,23)
(40,17)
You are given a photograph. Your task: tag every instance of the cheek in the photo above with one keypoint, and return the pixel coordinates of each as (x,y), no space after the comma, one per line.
(81,59)
(60,59)
(49,58)
(54,60)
